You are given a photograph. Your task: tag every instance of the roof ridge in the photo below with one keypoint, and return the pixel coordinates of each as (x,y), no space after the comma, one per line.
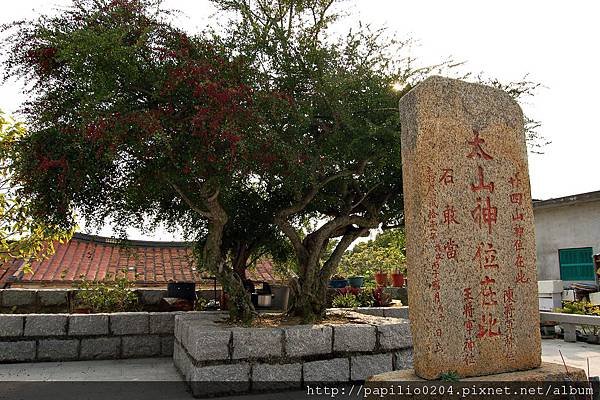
(129,242)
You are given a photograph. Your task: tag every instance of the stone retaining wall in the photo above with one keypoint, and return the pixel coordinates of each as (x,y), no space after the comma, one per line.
(216,358)
(60,300)
(389,312)
(62,337)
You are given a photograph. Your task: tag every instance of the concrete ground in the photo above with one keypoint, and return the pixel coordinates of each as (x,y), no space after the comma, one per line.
(157,378)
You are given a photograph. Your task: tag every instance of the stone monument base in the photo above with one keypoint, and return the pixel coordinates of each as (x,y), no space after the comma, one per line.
(549,381)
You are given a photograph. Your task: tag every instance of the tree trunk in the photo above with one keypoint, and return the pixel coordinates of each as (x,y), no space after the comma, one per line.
(310,300)
(240,304)
(240,307)
(309,293)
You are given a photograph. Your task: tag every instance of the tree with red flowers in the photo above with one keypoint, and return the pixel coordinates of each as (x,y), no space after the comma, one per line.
(272,128)
(131,118)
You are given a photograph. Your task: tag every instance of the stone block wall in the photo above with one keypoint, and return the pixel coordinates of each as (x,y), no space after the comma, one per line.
(70,337)
(61,300)
(216,358)
(389,312)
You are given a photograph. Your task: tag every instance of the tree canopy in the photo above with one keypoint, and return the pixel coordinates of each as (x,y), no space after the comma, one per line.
(239,135)
(386,253)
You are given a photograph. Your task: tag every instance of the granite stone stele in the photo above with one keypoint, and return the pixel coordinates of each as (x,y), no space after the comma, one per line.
(470,237)
(469,224)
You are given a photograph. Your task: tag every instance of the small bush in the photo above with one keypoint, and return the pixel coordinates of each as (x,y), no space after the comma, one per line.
(582,308)
(365,297)
(201,304)
(579,307)
(347,300)
(107,297)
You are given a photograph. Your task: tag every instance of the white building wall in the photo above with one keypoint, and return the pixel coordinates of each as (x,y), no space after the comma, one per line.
(566,226)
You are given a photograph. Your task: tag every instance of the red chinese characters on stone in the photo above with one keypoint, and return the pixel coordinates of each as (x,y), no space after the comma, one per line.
(450,215)
(515,181)
(432,218)
(486,256)
(469,356)
(488,295)
(432,214)
(485,214)
(435,284)
(521,277)
(518,244)
(518,216)
(451,249)
(519,230)
(488,326)
(509,319)
(438,345)
(447,176)
(468,306)
(469,343)
(517,199)
(481,185)
(477,150)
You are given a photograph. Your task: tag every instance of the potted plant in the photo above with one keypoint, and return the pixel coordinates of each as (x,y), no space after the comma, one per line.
(381,277)
(338,282)
(356,281)
(398,277)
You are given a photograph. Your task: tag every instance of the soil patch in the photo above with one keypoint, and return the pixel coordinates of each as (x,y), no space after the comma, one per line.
(279,320)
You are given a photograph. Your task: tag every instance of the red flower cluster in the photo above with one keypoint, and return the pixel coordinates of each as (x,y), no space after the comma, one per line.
(44,58)
(45,164)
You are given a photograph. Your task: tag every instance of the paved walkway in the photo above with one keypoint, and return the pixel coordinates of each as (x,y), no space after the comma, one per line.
(575,354)
(130,378)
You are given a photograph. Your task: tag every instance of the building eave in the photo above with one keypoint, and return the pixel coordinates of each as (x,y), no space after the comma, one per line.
(581,198)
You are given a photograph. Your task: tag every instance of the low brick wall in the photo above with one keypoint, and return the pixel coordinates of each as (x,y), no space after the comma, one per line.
(69,337)
(61,300)
(219,359)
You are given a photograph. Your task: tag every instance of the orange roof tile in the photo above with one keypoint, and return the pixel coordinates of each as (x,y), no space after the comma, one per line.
(89,257)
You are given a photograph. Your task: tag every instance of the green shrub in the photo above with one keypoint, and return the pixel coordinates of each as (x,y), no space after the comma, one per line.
(579,307)
(582,308)
(347,300)
(107,297)
(201,304)
(365,297)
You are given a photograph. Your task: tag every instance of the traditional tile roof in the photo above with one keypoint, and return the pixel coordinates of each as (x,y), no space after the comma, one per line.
(89,257)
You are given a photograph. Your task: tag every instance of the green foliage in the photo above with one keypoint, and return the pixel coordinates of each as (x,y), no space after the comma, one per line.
(136,122)
(579,307)
(24,234)
(200,304)
(582,308)
(346,300)
(107,296)
(450,376)
(126,112)
(384,253)
(366,297)
(238,137)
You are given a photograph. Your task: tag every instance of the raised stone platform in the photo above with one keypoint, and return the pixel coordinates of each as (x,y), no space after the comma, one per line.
(549,381)
(216,358)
